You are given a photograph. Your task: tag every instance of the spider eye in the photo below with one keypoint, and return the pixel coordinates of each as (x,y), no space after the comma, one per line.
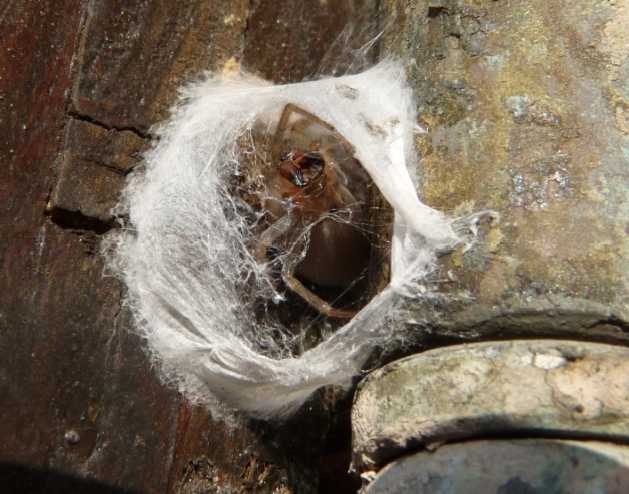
(291,172)
(309,160)
(287,156)
(311,166)
(298,178)
(301,168)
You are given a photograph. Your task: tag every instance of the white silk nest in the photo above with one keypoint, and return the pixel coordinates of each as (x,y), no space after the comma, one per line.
(184,254)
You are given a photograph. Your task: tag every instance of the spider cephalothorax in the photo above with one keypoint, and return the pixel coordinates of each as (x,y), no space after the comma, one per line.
(316,197)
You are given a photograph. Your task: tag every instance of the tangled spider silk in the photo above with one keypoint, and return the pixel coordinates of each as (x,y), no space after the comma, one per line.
(187,259)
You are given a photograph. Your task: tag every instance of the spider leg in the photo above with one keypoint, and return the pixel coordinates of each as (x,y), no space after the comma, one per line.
(311,298)
(342,195)
(282,125)
(267,239)
(293,108)
(269,236)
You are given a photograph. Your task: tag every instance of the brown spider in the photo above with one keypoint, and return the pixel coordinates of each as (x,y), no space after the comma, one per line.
(316,197)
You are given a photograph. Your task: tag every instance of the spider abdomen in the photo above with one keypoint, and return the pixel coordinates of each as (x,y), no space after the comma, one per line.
(337,255)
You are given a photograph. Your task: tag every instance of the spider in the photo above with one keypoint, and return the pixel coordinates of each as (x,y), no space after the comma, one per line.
(316,195)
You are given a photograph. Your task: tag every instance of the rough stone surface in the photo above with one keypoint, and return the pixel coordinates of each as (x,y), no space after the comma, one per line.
(540,466)
(474,390)
(524,105)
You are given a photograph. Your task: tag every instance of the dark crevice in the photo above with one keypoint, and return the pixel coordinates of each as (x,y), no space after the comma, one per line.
(533,433)
(251,7)
(392,451)
(87,118)
(111,168)
(612,321)
(336,452)
(434,12)
(23,478)
(77,58)
(75,220)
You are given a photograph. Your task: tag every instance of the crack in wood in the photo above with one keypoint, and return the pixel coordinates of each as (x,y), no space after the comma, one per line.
(89,119)
(78,222)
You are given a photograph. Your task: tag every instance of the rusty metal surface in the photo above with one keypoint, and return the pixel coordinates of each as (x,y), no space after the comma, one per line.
(91,173)
(288,41)
(78,393)
(82,82)
(134,55)
(70,400)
